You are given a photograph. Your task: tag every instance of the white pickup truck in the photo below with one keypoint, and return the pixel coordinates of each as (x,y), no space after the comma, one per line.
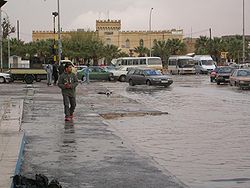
(120,73)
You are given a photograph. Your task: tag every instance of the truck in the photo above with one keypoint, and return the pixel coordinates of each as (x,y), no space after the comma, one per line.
(36,72)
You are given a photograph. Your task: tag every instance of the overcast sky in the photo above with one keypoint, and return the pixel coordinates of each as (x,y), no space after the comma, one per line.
(223,16)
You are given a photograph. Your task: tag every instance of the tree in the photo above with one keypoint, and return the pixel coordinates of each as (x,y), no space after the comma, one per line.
(202,45)
(111,52)
(141,50)
(176,46)
(160,49)
(7,28)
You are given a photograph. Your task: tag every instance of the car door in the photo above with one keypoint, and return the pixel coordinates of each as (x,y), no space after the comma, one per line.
(233,77)
(135,76)
(142,77)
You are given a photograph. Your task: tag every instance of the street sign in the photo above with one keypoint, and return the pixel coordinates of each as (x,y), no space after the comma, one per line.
(2,3)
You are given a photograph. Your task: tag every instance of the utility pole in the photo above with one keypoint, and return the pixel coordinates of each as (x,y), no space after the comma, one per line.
(210,33)
(1,34)
(243,36)
(18,31)
(150,27)
(59,34)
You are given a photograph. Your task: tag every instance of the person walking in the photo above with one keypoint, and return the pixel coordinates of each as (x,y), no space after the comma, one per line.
(86,74)
(68,82)
(49,70)
(55,73)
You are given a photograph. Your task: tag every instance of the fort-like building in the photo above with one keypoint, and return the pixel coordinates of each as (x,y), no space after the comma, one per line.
(109,31)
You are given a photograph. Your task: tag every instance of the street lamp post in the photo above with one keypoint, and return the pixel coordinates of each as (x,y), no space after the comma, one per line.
(243,36)
(55,14)
(59,34)
(150,25)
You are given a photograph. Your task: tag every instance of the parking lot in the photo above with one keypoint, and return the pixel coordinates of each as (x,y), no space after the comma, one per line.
(204,140)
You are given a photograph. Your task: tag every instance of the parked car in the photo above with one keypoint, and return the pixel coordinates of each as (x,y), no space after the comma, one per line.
(140,76)
(96,73)
(223,74)
(120,73)
(240,78)
(4,77)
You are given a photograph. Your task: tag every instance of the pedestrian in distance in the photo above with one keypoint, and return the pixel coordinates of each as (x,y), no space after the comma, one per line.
(55,73)
(68,82)
(61,69)
(86,74)
(49,70)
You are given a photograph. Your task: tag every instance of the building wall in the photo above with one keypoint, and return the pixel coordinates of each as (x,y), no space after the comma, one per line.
(109,31)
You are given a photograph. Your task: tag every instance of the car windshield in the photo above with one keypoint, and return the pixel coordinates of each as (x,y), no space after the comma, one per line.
(152,72)
(244,73)
(207,62)
(225,70)
(186,63)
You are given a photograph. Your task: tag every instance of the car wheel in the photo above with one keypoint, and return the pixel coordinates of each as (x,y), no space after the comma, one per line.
(2,80)
(29,79)
(131,83)
(148,82)
(218,83)
(122,78)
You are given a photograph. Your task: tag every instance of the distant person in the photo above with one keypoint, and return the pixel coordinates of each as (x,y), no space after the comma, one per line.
(61,69)
(55,73)
(86,74)
(68,82)
(49,70)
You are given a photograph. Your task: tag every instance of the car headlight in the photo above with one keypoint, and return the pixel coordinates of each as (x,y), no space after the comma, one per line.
(156,79)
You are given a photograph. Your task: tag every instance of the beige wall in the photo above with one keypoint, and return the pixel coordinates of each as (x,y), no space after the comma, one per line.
(109,31)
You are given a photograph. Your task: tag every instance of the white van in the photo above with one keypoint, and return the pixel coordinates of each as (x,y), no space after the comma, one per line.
(180,64)
(204,63)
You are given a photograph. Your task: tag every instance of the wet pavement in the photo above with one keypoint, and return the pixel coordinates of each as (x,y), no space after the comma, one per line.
(86,152)
(204,140)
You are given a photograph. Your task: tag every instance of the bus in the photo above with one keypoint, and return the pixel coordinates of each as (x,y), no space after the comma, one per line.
(146,62)
(181,65)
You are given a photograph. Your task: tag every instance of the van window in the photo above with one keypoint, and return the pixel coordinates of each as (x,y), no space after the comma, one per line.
(124,62)
(172,62)
(154,61)
(142,61)
(130,62)
(136,62)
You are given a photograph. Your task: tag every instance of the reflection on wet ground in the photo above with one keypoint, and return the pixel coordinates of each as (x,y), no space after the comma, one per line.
(204,140)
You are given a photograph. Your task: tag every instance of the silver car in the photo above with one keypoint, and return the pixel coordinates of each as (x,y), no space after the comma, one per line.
(148,77)
(4,77)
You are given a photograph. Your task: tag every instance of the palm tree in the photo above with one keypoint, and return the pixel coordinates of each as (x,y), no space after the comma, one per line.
(176,46)
(202,45)
(141,50)
(160,49)
(111,52)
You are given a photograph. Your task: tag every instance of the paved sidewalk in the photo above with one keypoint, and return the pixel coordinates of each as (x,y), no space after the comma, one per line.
(11,140)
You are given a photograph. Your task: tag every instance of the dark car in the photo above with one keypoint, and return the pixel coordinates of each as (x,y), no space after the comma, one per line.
(95,73)
(148,77)
(223,74)
(240,78)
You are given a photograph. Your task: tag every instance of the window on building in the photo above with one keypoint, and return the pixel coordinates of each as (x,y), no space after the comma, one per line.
(141,43)
(108,41)
(127,44)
